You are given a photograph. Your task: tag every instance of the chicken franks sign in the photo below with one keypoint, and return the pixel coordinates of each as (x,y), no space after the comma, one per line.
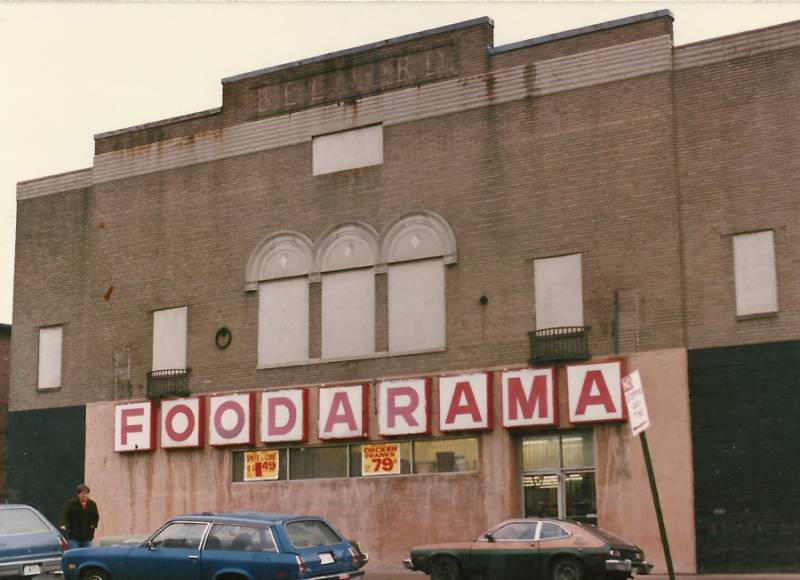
(529,399)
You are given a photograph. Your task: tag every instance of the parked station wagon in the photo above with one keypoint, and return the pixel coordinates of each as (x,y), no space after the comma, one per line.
(29,544)
(225,546)
(533,549)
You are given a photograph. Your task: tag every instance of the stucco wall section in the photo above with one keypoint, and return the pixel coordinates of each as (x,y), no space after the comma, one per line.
(387,515)
(624,501)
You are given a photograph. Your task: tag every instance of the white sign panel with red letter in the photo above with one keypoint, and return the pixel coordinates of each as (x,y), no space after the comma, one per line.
(529,398)
(404,407)
(465,402)
(343,412)
(232,419)
(284,415)
(634,399)
(134,427)
(182,423)
(595,392)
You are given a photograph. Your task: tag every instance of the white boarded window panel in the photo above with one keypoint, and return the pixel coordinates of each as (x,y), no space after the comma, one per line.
(348,313)
(559,291)
(754,271)
(348,150)
(283,321)
(169,339)
(50,345)
(416,305)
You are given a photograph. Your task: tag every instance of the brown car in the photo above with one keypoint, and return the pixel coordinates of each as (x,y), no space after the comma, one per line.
(533,549)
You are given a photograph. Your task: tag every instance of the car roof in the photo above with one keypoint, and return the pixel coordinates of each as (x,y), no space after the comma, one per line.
(254,517)
(7,506)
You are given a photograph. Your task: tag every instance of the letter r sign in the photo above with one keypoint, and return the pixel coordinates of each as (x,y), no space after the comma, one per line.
(404,407)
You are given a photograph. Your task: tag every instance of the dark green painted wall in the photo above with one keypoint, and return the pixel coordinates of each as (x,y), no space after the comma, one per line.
(46,452)
(745,408)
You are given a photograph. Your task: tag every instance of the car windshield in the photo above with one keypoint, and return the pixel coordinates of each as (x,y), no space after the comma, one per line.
(607,536)
(310,533)
(21,521)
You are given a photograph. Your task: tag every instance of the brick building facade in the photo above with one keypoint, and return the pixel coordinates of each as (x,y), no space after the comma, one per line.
(398,214)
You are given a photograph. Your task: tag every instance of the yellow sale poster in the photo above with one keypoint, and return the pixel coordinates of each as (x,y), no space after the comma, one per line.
(380,459)
(261,465)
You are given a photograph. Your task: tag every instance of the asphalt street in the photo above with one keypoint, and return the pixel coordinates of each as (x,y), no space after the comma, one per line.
(406,575)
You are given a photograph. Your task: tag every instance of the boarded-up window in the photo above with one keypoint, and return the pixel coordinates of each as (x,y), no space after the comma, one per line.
(754,271)
(348,150)
(169,339)
(348,313)
(559,291)
(283,321)
(50,344)
(416,305)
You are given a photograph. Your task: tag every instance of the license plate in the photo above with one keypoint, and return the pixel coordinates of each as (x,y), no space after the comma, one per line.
(31,569)
(326,558)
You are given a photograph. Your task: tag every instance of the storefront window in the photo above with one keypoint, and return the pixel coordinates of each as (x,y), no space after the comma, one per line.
(317,462)
(540,452)
(443,455)
(558,478)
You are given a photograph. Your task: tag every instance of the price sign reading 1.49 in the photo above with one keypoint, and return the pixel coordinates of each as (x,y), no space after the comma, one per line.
(380,459)
(261,465)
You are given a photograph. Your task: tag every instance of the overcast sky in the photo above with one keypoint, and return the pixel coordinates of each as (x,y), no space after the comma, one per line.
(70,71)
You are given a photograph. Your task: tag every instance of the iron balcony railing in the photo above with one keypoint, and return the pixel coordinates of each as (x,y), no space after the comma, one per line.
(563,343)
(167,383)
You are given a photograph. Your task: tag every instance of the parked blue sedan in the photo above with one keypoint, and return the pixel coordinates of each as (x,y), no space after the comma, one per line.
(29,544)
(225,546)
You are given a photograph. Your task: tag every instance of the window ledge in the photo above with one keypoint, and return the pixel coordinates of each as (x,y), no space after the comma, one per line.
(376,355)
(757,316)
(47,389)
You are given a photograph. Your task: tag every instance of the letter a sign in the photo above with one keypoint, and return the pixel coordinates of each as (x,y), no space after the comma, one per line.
(595,392)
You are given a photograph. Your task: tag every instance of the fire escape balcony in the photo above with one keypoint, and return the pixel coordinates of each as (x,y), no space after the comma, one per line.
(559,344)
(167,383)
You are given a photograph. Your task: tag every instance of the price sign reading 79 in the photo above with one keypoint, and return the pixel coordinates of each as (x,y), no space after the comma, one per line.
(380,459)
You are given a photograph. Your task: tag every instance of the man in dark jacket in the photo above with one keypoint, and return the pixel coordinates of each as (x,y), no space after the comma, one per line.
(79,519)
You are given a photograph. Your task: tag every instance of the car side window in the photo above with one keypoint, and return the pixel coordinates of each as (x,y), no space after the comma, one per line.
(238,538)
(311,533)
(551,530)
(21,521)
(185,535)
(516,531)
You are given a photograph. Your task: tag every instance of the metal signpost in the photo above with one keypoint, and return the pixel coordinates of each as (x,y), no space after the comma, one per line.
(639,422)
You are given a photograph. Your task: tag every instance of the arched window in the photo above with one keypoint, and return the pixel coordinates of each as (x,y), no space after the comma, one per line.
(278,268)
(345,256)
(415,249)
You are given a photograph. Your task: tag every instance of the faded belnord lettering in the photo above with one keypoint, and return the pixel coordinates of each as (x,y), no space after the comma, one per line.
(359,80)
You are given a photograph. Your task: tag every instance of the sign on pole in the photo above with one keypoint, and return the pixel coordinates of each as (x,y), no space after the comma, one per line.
(637,407)
(640,420)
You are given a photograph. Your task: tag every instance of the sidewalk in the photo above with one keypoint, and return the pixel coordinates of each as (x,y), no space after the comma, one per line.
(407,575)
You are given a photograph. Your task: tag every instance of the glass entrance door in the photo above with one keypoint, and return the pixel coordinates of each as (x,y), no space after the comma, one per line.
(558,478)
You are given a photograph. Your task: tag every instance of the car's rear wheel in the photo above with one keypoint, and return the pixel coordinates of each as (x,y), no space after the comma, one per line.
(567,569)
(444,568)
(95,574)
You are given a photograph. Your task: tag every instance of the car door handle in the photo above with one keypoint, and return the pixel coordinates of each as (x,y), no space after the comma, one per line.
(194,557)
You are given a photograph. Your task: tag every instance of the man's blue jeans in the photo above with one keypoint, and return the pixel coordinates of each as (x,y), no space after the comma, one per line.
(79,544)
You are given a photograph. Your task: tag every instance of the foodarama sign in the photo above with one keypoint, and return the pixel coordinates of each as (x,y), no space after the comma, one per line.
(529,398)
